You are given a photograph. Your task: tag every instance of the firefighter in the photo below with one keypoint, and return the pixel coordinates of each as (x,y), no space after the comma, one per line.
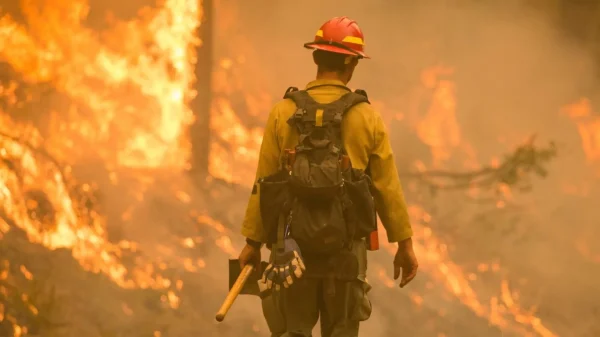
(294,311)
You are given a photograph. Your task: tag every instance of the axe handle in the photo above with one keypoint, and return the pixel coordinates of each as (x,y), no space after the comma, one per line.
(234,292)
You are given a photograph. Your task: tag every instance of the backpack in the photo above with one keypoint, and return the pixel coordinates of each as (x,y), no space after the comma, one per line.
(317,198)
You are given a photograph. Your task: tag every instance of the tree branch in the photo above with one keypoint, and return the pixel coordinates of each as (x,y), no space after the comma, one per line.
(515,171)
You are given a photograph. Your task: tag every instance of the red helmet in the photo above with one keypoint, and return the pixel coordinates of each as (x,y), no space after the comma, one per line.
(339,35)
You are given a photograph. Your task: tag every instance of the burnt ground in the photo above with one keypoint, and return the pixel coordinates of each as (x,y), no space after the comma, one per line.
(92,305)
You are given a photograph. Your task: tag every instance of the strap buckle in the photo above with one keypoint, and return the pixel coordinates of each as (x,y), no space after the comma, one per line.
(337,118)
(299,113)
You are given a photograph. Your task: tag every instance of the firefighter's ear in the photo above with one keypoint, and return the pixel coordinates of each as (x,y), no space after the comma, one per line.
(351,61)
(354,62)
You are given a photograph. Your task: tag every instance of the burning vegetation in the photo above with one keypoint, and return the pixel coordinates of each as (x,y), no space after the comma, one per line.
(103,232)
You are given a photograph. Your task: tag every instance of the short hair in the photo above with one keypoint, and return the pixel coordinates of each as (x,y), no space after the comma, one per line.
(328,61)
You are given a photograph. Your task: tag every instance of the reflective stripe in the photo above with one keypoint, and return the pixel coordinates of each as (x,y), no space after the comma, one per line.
(319,118)
(353,39)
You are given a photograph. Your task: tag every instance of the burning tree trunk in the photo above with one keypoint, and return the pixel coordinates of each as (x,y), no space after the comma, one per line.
(200,130)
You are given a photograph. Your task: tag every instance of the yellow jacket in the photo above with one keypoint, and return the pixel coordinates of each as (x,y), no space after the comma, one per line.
(366,141)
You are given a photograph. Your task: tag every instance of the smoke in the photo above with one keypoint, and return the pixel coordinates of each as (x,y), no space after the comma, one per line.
(514,67)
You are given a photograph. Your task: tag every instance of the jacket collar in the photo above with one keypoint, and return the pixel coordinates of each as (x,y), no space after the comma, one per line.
(315,83)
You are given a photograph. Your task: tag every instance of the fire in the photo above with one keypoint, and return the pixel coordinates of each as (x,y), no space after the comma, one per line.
(588,126)
(137,95)
(234,151)
(232,161)
(127,103)
(36,196)
(439,128)
(501,310)
(124,96)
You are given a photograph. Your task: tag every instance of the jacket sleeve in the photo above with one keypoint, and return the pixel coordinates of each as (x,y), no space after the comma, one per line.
(389,197)
(268,163)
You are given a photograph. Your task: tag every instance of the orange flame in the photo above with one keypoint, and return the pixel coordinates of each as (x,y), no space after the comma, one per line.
(589,127)
(137,95)
(502,311)
(135,102)
(439,128)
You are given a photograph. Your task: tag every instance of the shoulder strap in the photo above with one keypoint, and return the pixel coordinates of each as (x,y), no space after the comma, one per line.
(353,98)
(347,102)
(289,90)
(305,103)
(310,114)
(300,97)
(364,93)
(335,111)
(306,108)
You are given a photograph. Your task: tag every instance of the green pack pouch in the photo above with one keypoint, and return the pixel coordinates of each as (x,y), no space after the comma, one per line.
(319,226)
(361,216)
(274,197)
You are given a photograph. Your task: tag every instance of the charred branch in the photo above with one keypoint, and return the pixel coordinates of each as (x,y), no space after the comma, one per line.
(514,171)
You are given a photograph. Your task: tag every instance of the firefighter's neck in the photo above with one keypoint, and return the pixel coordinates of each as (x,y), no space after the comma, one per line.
(333,75)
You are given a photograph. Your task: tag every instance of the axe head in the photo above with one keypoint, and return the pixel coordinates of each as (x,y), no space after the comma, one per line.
(251,286)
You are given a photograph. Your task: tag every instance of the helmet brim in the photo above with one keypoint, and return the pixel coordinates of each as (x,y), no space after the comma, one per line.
(335,49)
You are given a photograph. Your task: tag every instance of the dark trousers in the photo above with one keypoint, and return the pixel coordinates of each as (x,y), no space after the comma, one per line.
(294,312)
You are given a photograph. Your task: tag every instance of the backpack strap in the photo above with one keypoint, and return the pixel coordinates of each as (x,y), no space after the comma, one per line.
(349,100)
(310,114)
(339,108)
(306,105)
(364,93)
(306,108)
(289,90)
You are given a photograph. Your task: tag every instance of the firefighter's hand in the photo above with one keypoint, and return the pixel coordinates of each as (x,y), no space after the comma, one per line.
(250,255)
(405,261)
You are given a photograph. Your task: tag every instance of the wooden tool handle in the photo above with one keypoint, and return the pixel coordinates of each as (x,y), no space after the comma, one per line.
(234,292)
